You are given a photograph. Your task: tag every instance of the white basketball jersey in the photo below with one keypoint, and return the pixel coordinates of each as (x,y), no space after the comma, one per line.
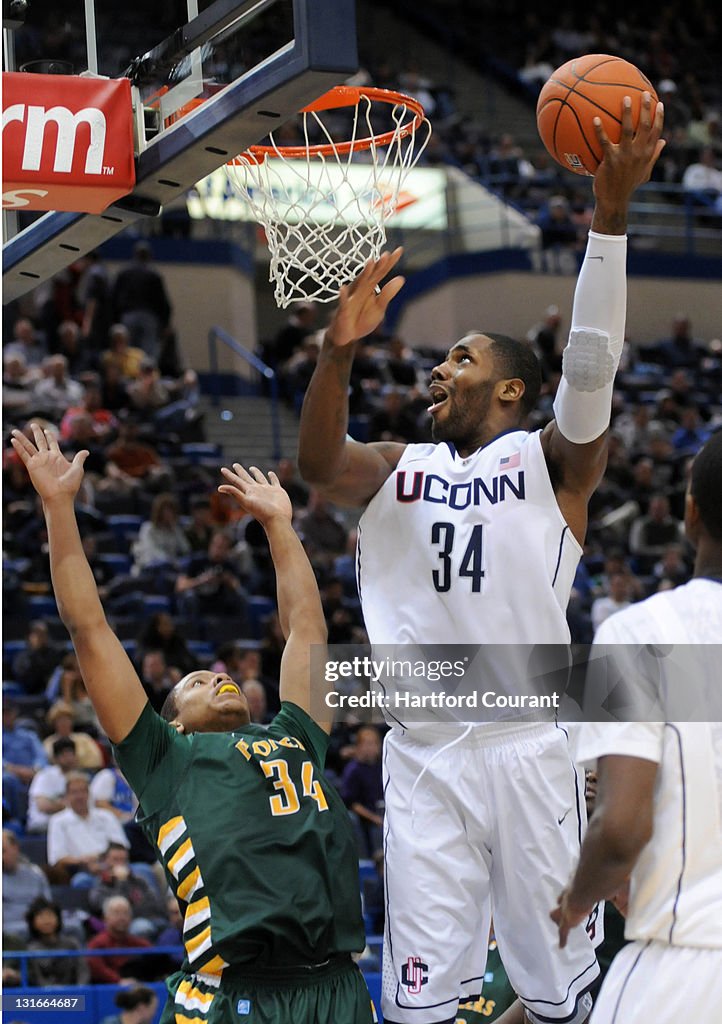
(676,885)
(472,550)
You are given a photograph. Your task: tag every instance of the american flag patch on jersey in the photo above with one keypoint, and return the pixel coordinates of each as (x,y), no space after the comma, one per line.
(510,461)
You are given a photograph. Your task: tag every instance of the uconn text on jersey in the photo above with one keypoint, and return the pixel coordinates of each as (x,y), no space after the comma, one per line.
(434,488)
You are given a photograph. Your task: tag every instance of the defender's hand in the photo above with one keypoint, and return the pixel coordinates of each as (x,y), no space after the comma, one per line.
(51,474)
(263,498)
(361,308)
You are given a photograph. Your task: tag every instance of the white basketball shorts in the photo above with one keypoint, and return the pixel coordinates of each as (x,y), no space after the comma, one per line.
(653,983)
(495,821)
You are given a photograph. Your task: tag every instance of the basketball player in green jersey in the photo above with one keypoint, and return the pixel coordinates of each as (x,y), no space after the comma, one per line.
(255,844)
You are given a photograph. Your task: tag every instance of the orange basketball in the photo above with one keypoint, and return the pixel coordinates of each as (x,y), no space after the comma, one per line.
(580,90)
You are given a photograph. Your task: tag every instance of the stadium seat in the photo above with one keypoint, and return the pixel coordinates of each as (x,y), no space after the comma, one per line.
(130,647)
(125,527)
(35,848)
(119,564)
(108,543)
(201,648)
(219,629)
(190,629)
(202,453)
(113,504)
(153,603)
(125,627)
(18,565)
(70,898)
(259,608)
(11,648)
(358,428)
(41,606)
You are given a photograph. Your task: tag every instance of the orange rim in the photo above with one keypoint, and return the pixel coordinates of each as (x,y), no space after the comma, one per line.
(344,96)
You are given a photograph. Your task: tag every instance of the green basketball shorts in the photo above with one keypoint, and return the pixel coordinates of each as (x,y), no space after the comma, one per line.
(330,993)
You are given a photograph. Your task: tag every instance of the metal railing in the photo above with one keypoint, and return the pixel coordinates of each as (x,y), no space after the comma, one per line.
(216,335)
(23,955)
(663,212)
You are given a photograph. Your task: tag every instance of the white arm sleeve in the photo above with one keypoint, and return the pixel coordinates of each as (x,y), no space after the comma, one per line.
(583,402)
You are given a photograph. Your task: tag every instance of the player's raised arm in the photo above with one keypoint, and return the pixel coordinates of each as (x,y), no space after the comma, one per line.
(108,674)
(346,471)
(575,443)
(299,604)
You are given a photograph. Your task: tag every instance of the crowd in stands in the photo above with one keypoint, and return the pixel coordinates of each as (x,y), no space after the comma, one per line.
(678,47)
(188,582)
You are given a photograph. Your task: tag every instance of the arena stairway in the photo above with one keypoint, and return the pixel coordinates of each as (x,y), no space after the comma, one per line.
(477,95)
(242,426)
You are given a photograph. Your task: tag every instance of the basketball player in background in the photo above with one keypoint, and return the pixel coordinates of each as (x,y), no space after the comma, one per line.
(256,845)
(658,814)
(444,560)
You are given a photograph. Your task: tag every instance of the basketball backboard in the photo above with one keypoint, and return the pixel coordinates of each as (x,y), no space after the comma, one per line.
(208,90)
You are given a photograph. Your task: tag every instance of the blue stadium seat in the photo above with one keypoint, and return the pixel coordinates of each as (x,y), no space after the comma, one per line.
(11,648)
(259,608)
(358,428)
(68,897)
(153,603)
(201,648)
(202,453)
(130,647)
(18,565)
(219,629)
(119,564)
(35,848)
(42,606)
(125,627)
(124,527)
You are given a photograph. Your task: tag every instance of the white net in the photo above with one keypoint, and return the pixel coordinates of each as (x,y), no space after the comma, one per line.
(325,213)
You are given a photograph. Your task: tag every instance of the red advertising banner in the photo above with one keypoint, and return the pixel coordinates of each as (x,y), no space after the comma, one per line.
(67,142)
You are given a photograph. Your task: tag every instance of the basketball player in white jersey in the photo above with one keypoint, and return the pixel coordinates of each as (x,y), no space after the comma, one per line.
(475,539)
(658,814)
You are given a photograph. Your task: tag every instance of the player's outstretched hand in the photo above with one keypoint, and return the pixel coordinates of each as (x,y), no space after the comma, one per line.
(629,163)
(261,497)
(566,917)
(51,474)
(362,304)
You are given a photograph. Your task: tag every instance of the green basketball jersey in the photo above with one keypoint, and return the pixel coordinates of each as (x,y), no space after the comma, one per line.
(255,842)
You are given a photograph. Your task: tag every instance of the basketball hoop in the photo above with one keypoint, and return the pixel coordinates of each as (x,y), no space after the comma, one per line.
(324,206)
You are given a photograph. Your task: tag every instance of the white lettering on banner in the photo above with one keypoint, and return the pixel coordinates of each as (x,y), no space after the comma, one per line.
(67,122)
(16,199)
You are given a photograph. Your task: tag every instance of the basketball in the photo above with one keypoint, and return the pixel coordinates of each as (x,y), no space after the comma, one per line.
(580,90)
